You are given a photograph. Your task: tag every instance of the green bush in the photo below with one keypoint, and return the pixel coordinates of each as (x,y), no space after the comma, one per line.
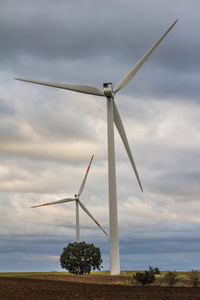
(81,258)
(171,278)
(144,277)
(156,271)
(194,277)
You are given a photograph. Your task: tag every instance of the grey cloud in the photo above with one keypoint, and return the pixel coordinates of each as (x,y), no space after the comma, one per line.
(94,30)
(159,246)
(6,109)
(94,38)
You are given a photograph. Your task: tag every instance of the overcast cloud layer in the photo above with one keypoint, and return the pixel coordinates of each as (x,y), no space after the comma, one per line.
(48,135)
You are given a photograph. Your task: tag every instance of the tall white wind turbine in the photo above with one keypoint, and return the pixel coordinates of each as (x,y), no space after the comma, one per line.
(113,116)
(78,203)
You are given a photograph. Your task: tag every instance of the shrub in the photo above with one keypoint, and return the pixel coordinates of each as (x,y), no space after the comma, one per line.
(81,258)
(156,271)
(194,277)
(171,277)
(144,277)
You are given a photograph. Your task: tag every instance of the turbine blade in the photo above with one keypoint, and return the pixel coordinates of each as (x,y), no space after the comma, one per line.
(89,214)
(76,88)
(55,202)
(120,128)
(138,65)
(84,179)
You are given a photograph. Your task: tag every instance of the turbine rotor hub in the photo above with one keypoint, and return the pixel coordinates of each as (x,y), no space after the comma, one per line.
(108,89)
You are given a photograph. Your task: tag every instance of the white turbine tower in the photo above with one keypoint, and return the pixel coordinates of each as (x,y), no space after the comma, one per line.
(78,203)
(113,116)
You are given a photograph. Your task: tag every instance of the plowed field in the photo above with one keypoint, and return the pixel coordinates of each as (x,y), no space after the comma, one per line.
(78,287)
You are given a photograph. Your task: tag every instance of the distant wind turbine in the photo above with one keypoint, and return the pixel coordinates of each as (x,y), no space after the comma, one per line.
(78,203)
(113,116)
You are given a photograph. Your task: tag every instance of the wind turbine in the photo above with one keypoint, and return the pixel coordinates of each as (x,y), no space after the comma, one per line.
(78,203)
(113,116)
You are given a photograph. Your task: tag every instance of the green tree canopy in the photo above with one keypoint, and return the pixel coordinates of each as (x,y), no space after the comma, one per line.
(80,258)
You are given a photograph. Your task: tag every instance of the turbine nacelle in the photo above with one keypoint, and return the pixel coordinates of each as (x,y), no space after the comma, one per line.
(108,89)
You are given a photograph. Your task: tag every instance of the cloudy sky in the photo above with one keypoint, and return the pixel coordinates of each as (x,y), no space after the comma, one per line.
(47,135)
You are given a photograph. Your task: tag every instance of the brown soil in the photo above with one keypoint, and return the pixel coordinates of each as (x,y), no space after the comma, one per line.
(88,287)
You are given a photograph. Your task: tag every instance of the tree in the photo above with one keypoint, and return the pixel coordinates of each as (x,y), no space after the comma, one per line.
(144,277)
(81,258)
